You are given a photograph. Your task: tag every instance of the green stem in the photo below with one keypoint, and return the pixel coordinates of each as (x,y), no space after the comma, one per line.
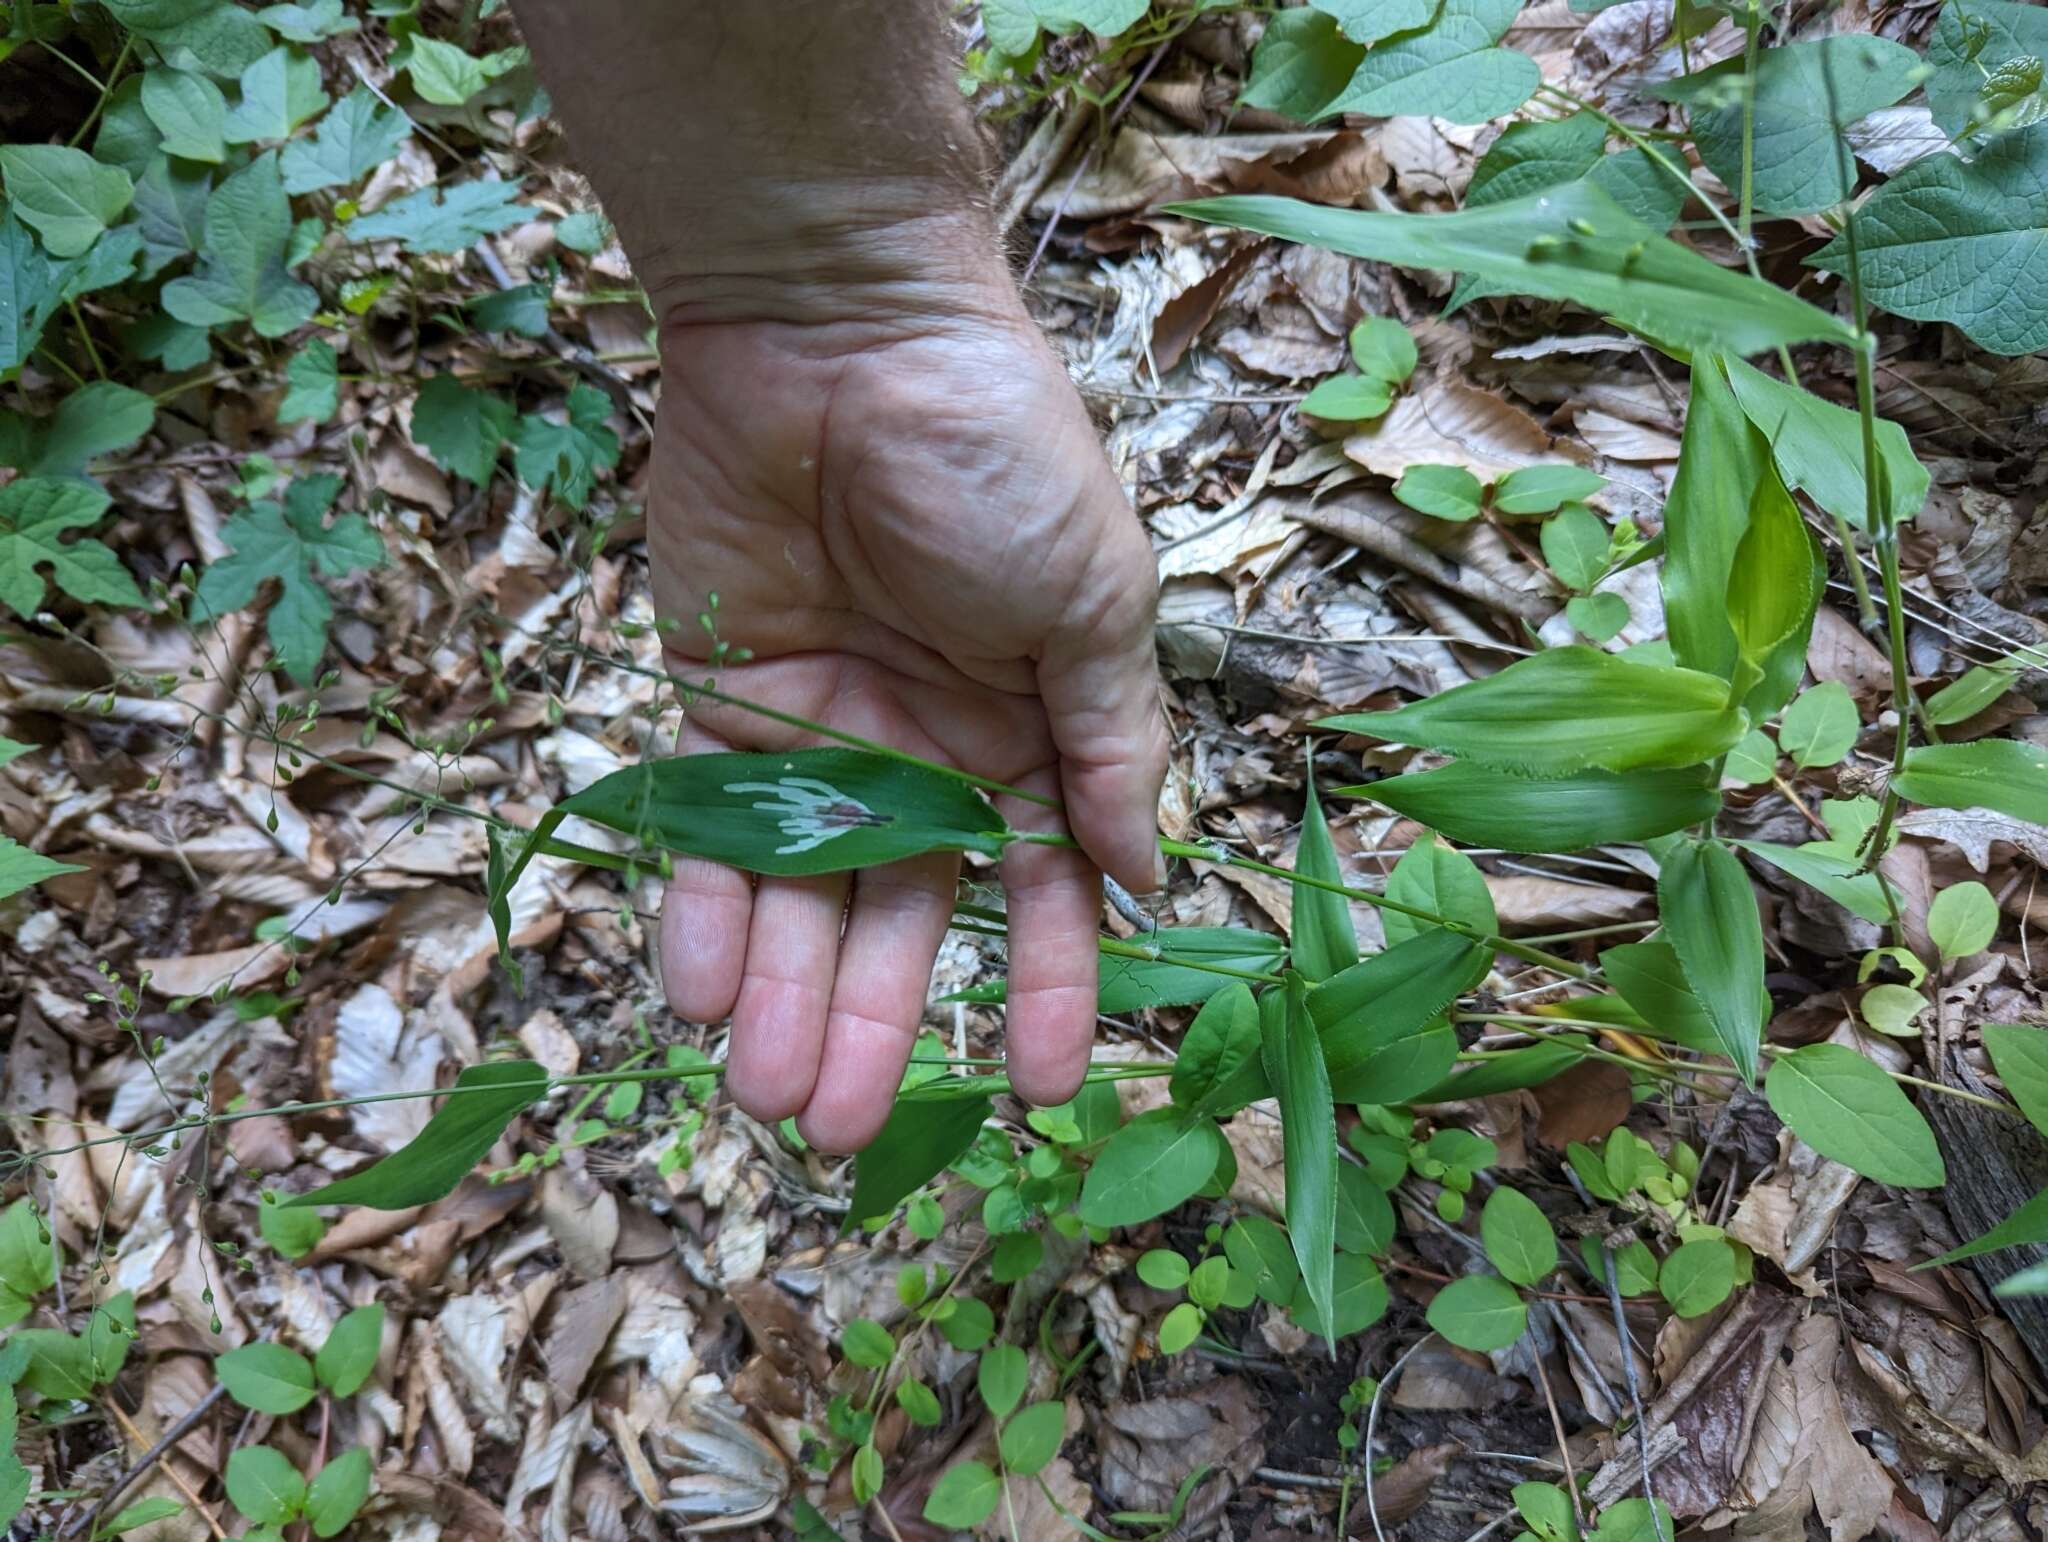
(106,92)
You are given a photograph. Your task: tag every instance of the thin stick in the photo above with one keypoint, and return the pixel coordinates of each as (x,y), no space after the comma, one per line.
(1372,1420)
(1635,1391)
(148,1459)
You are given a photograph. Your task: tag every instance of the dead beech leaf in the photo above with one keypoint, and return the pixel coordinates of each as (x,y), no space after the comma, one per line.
(1804,1457)
(1584,1103)
(1147,1448)
(1620,439)
(1442,1377)
(1838,651)
(1524,900)
(1400,1493)
(1143,168)
(1973,831)
(1448,423)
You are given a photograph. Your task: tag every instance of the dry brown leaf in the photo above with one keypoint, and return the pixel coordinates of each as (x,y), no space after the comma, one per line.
(1583,1104)
(1147,1448)
(1445,422)
(1973,832)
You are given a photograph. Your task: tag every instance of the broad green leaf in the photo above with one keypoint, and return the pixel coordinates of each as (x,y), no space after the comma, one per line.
(1890,1009)
(522,309)
(1824,866)
(1519,1241)
(1819,448)
(1846,1108)
(1481,806)
(1348,399)
(34,513)
(1371,1017)
(1383,349)
(1568,709)
(1544,489)
(292,543)
(447,75)
(485,1099)
(31,288)
(867,1343)
(350,1354)
(1539,245)
(567,455)
(1358,1299)
(922,1137)
(2028,1282)
(1180,1328)
(1152,1165)
(806,811)
(1221,1042)
(64,193)
(1032,1437)
(356,136)
(2019,1053)
(294,1233)
(58,1365)
(1597,617)
(1174,978)
(1507,1071)
(1721,465)
(94,420)
(1820,727)
(1753,761)
(1962,920)
(1449,68)
(1367,21)
(242,275)
(280,91)
(1293,1057)
(1774,583)
(313,385)
(2025,1226)
(1480,1311)
(1005,1371)
(28,1252)
(1324,940)
(1699,1276)
(1161,1268)
(1960,241)
(1011,26)
(920,1403)
(443,219)
(153,15)
(133,1517)
(1529,157)
(1971,39)
(1546,1510)
(965,1496)
(2001,774)
(268,1378)
(1710,915)
(312,22)
(462,427)
(1650,979)
(1259,1250)
(190,113)
(265,1486)
(1302,61)
(108,1333)
(222,40)
(1806,95)
(585,232)
(1442,492)
(1365,1216)
(1972,691)
(170,216)
(338,1491)
(1104,18)
(1635,1520)
(1443,880)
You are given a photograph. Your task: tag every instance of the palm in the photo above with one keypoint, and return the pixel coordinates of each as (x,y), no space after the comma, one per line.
(914,534)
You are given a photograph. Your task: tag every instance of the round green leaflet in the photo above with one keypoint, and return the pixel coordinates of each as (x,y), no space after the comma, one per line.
(1481,1311)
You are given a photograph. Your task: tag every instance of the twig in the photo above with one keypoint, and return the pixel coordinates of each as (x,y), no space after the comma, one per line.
(1635,1391)
(1372,1420)
(1564,1452)
(149,1459)
(156,1453)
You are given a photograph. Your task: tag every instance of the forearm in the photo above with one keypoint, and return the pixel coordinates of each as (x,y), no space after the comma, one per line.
(747,147)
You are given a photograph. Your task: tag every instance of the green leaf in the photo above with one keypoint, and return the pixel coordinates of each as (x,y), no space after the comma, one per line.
(94,420)
(59,1366)
(1806,95)
(189,111)
(222,40)
(265,1486)
(1960,241)
(2019,1053)
(1974,38)
(292,543)
(313,384)
(1442,492)
(1365,1216)
(1547,1511)
(294,1233)
(806,811)
(108,1333)
(1971,692)
(1481,806)
(964,1497)
(268,1378)
(1180,1328)
(1381,1020)
(2025,1226)
(31,288)
(1359,1299)
(1518,1238)
(1293,1058)
(280,91)
(1753,761)
(1219,1044)
(1480,1311)
(1016,1256)
(1032,1439)
(443,219)
(1962,920)
(242,276)
(1846,1108)
(920,1139)
(2028,1282)
(1302,61)
(2001,774)
(1368,21)
(1508,1071)
(1597,617)
(350,1354)
(1709,912)
(1544,489)
(1818,448)
(1774,583)
(1383,349)
(867,1343)
(1348,399)
(1259,1250)
(1324,940)
(1890,1009)
(1152,1165)
(1447,69)
(28,1253)
(1104,18)
(584,232)
(338,1492)
(1005,1372)
(485,1099)
(1652,982)
(522,310)
(1568,709)
(566,456)
(34,511)
(64,193)
(154,15)
(356,136)
(1529,157)
(448,76)
(1824,866)
(461,427)
(309,23)
(1174,978)
(1820,727)
(1443,880)
(1538,246)
(1698,1276)
(134,1517)
(920,1404)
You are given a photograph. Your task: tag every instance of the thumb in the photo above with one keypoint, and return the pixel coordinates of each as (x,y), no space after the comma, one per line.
(1101,695)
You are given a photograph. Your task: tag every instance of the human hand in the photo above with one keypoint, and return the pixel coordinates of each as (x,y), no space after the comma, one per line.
(900,503)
